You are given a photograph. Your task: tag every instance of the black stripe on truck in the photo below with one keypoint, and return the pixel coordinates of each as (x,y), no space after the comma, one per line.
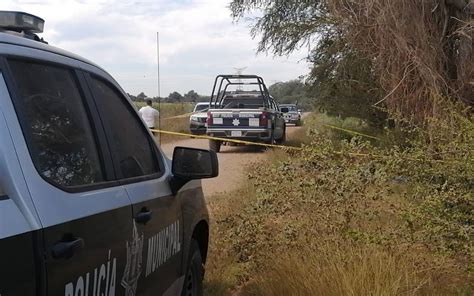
(4,197)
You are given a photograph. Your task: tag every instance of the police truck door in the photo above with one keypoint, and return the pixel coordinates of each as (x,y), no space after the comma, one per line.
(141,169)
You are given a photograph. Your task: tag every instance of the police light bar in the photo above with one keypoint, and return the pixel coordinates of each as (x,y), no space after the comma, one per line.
(20,22)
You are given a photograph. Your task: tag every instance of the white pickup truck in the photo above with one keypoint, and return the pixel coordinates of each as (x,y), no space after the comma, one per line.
(251,115)
(291,113)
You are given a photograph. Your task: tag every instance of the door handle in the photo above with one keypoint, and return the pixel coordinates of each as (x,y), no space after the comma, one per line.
(67,249)
(143,217)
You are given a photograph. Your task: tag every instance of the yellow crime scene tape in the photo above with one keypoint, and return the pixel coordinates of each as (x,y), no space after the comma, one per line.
(350,131)
(225,140)
(291,147)
(178,116)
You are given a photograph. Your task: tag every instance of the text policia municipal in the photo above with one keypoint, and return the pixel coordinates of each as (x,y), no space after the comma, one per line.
(102,281)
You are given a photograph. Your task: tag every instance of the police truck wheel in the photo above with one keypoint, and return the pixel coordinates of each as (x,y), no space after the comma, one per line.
(283,137)
(271,141)
(215,145)
(194,272)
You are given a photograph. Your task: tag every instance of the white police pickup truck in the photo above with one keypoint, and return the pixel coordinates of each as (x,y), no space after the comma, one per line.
(197,120)
(291,113)
(250,115)
(89,204)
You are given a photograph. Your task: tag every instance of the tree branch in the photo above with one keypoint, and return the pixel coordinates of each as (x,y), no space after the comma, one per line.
(467,6)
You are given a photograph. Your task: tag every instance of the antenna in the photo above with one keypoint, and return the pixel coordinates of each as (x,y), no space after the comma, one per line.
(159,87)
(239,72)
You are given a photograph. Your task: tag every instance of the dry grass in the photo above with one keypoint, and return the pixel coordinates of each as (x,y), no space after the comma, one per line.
(180,125)
(358,271)
(333,269)
(223,272)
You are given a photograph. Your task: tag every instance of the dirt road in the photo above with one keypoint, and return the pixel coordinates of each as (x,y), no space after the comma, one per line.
(233,162)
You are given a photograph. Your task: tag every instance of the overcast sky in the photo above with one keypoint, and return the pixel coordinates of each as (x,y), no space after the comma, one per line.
(198,40)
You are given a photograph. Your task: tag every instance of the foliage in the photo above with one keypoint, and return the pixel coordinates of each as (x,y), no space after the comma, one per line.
(407,56)
(175,97)
(191,96)
(341,81)
(285,24)
(291,92)
(352,218)
(349,216)
(419,61)
(141,96)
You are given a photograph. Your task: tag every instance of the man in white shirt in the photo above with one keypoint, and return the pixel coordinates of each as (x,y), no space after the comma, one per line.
(149,114)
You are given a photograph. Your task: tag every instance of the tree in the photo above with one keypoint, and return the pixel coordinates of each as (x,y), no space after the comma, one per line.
(132,97)
(291,92)
(402,55)
(191,96)
(141,96)
(175,97)
(336,83)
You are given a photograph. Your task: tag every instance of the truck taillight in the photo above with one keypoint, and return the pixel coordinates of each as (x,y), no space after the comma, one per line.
(209,119)
(264,118)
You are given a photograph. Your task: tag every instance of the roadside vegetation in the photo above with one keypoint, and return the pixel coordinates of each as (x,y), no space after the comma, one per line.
(380,200)
(292,92)
(349,217)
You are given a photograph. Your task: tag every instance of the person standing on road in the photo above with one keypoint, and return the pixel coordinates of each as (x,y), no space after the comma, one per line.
(149,114)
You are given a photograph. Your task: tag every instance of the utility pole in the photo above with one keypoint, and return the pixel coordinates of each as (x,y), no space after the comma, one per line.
(239,72)
(158,81)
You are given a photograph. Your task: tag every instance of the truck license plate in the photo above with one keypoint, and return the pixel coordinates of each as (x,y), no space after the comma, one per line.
(236,133)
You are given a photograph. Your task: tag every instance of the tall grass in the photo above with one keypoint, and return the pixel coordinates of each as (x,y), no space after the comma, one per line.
(341,270)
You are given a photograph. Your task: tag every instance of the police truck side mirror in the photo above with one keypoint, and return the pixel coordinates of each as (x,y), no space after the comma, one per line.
(192,164)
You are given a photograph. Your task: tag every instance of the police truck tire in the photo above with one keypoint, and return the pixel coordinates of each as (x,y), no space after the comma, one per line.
(215,145)
(194,272)
(283,137)
(272,138)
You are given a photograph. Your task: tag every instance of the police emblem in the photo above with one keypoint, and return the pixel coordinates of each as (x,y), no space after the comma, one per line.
(236,122)
(133,268)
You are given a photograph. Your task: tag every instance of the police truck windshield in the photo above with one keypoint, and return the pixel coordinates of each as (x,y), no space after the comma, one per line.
(201,107)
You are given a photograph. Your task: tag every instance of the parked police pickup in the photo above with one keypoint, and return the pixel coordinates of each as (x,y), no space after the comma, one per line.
(197,120)
(251,115)
(89,204)
(291,113)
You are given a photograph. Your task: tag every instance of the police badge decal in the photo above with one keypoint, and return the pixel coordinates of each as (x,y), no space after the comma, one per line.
(133,268)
